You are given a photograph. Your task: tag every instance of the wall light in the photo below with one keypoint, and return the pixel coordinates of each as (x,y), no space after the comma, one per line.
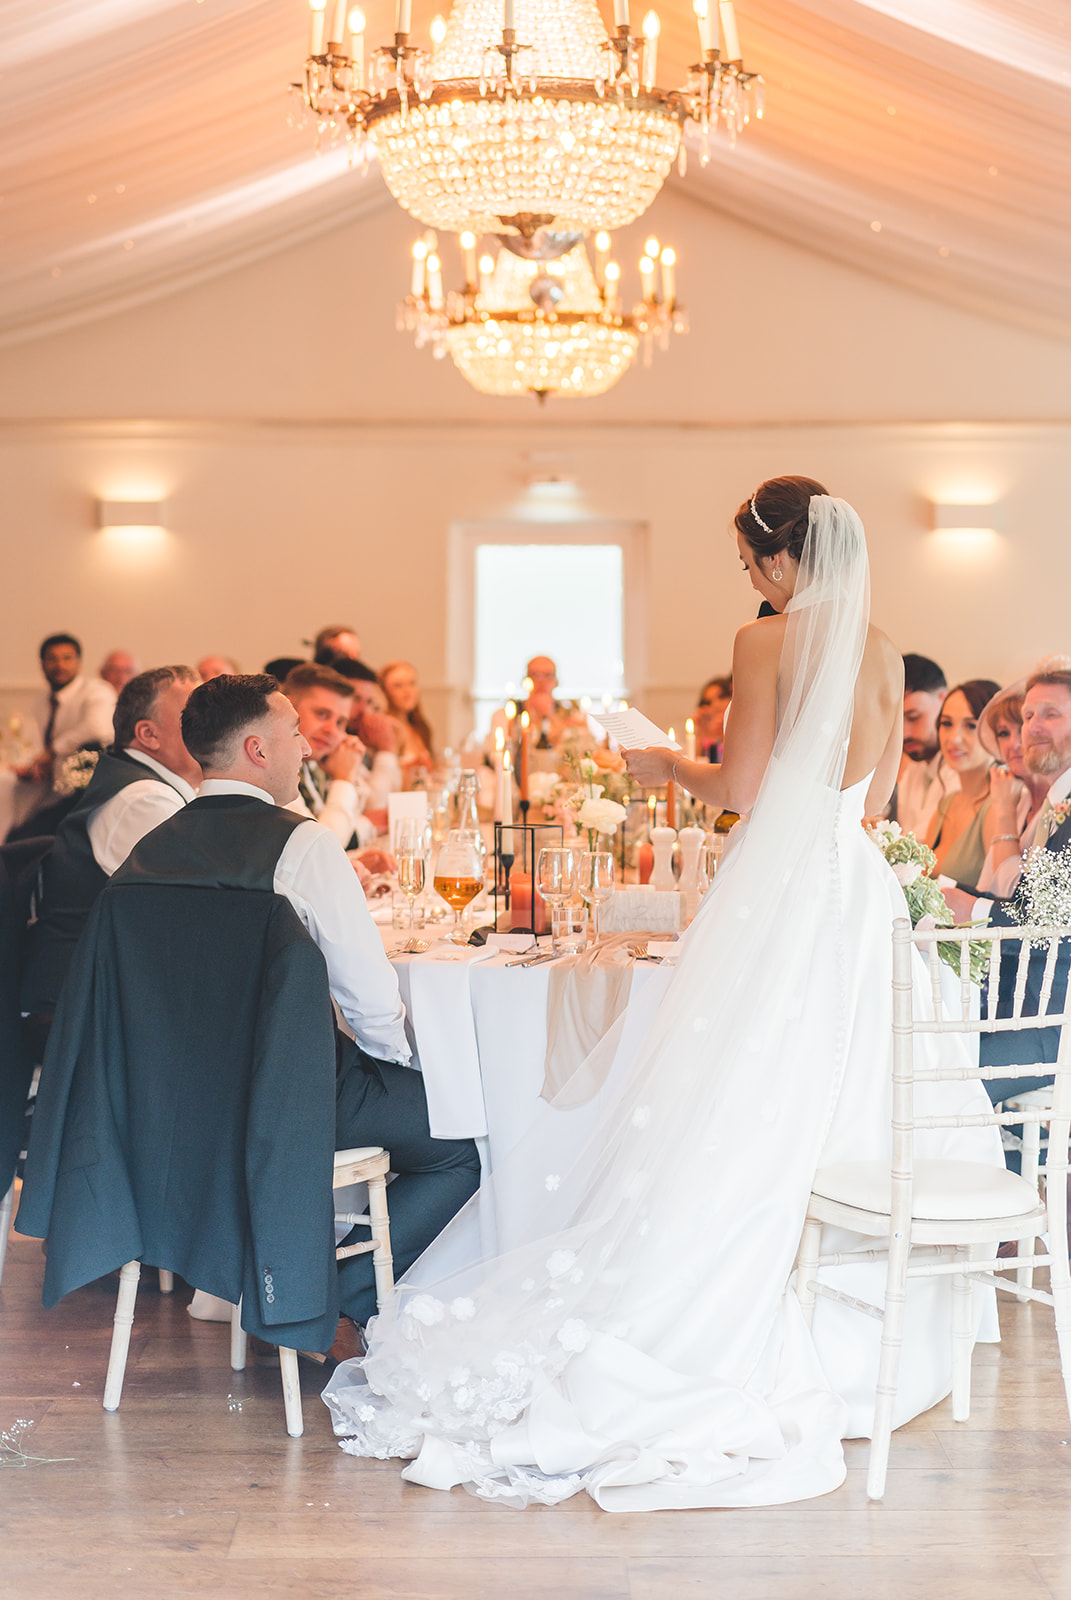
(966,518)
(131,514)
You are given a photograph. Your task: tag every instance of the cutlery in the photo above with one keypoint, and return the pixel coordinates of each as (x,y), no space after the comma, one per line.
(413,947)
(533,961)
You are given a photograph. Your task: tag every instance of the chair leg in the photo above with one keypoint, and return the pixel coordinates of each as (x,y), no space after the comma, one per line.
(807,1266)
(124,1321)
(6,1207)
(1030,1167)
(382,1260)
(288,1368)
(962,1344)
(167,1281)
(239,1343)
(892,1335)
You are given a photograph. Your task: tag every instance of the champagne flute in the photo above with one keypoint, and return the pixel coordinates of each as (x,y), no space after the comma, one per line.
(596,882)
(459,875)
(410,856)
(555,881)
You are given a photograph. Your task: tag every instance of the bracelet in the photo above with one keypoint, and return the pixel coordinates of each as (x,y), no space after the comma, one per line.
(675,777)
(1006,838)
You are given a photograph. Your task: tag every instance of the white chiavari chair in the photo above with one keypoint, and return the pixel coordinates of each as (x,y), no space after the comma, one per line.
(935,1215)
(369,1166)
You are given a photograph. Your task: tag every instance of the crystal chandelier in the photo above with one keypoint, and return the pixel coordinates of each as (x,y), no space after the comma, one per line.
(524,115)
(550,326)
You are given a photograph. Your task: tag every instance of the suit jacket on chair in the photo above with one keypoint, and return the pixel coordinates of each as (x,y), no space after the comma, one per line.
(186,1112)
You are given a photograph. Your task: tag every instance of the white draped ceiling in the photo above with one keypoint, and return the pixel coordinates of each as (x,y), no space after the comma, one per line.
(145,144)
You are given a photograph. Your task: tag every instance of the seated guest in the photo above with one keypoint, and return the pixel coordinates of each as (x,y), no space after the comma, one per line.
(146,776)
(398,680)
(714,699)
(280,667)
(333,785)
(338,640)
(925,777)
(1047,748)
(118,667)
(378,733)
(957,830)
(216,667)
(1017,793)
(238,834)
(73,713)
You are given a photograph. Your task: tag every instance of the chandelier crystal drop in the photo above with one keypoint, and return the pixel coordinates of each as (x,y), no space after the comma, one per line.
(552,327)
(524,115)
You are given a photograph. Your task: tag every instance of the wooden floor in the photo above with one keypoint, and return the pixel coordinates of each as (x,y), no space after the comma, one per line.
(193,1488)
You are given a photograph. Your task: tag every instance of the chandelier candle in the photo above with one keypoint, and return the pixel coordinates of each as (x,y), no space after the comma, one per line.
(728,30)
(316,39)
(357,25)
(651,29)
(621,14)
(708,28)
(404,19)
(338,24)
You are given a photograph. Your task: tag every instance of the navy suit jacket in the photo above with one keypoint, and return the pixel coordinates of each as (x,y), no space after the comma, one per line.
(1032,1044)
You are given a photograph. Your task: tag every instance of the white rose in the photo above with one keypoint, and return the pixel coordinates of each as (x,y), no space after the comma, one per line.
(588,768)
(601,815)
(906,873)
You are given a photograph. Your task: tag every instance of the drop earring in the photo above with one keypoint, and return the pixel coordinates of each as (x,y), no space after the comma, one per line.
(776,575)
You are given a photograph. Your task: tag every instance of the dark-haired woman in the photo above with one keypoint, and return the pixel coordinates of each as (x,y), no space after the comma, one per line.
(632,1331)
(957,832)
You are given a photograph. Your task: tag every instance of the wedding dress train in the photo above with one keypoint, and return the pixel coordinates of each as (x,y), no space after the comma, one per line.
(631,1329)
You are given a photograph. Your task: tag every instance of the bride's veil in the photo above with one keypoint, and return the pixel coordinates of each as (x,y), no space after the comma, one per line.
(703,1161)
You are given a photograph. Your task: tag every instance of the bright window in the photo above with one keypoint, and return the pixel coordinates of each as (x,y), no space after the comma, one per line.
(565,601)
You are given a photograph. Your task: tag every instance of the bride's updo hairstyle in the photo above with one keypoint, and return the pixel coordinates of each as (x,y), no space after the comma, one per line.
(775,518)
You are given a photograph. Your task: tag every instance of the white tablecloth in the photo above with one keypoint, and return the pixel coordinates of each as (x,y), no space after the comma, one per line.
(479,1029)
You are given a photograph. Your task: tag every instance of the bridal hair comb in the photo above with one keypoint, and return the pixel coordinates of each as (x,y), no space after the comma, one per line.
(765,526)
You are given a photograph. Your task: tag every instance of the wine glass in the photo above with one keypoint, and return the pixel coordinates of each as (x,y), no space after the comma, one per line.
(459,875)
(555,880)
(596,882)
(409,851)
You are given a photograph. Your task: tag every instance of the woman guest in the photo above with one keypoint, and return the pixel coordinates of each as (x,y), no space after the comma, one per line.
(714,698)
(1016,793)
(956,834)
(398,680)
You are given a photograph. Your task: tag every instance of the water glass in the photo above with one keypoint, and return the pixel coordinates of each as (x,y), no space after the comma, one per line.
(596,882)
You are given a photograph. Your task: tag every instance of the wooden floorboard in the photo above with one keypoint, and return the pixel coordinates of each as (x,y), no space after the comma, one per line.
(193,1488)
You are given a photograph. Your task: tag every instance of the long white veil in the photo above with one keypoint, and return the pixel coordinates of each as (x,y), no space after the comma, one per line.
(629,1258)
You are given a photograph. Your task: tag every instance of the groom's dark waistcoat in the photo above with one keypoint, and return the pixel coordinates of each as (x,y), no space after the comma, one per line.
(186,1114)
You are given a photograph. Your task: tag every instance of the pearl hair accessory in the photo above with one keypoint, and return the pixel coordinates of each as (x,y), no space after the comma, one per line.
(765,526)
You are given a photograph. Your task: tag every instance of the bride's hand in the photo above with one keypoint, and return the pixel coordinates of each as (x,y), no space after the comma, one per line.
(651,767)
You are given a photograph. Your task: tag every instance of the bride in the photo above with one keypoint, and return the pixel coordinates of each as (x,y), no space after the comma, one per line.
(631,1329)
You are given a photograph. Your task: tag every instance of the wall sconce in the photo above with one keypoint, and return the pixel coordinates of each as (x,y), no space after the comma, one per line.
(960,518)
(146,514)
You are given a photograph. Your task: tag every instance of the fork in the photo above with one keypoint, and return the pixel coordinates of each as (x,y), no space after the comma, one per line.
(639,953)
(413,947)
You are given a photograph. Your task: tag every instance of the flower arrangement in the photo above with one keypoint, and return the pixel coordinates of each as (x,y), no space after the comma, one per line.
(571,796)
(912,863)
(1043,896)
(74,771)
(595,811)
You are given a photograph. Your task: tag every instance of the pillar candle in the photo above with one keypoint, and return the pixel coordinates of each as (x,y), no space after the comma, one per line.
(520,902)
(507,790)
(689,739)
(671,804)
(645,861)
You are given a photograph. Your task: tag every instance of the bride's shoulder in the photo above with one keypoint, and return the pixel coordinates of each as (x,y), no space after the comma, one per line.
(883,654)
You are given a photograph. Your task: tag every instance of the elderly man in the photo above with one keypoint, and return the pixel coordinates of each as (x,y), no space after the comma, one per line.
(924,776)
(216,667)
(1046,751)
(73,712)
(238,833)
(118,667)
(333,786)
(145,777)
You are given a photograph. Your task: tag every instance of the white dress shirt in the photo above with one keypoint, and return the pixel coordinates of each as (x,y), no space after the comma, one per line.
(919,791)
(314,875)
(124,820)
(342,809)
(83,715)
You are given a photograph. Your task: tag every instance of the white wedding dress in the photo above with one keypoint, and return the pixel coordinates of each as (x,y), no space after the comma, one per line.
(632,1331)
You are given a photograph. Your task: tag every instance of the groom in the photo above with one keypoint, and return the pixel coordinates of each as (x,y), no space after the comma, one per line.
(1047,751)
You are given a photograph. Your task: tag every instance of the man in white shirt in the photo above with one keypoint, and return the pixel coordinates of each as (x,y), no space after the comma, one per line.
(246,736)
(144,778)
(924,777)
(333,786)
(73,712)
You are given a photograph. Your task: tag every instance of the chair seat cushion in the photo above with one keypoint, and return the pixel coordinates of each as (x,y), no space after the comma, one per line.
(956,1190)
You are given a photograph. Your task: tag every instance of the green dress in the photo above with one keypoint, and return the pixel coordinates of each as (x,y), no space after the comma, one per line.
(965,860)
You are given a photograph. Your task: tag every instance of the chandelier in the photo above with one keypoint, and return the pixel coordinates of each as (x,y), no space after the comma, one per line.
(548,326)
(524,115)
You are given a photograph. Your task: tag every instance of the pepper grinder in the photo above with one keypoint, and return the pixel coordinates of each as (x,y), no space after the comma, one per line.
(662,841)
(691,842)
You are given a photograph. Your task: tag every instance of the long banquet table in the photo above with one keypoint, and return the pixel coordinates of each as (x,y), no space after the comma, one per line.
(479,1032)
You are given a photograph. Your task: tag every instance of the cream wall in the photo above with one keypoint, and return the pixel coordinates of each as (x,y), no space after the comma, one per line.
(313,461)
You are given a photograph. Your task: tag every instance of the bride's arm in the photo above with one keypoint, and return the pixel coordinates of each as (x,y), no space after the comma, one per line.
(749,733)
